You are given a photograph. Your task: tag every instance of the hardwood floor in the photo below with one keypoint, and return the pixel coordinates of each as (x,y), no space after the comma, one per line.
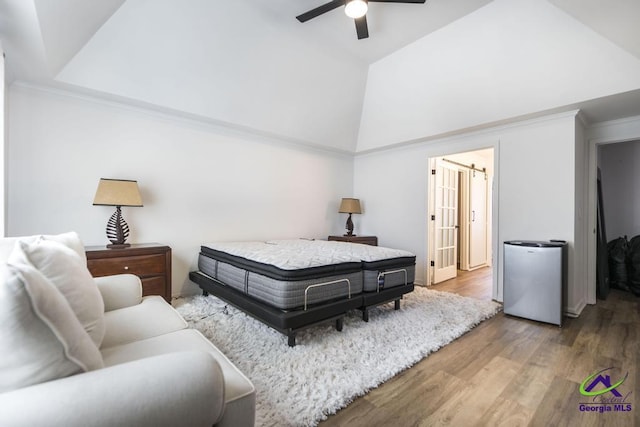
(475,284)
(514,372)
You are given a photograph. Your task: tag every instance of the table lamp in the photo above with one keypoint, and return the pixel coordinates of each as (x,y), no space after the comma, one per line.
(118,193)
(350,206)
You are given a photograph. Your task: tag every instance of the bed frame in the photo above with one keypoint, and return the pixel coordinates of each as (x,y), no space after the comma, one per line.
(372,299)
(290,322)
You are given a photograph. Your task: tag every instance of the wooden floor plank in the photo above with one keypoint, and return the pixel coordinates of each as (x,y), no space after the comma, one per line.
(359,413)
(506,413)
(559,406)
(411,399)
(468,404)
(621,340)
(527,342)
(529,387)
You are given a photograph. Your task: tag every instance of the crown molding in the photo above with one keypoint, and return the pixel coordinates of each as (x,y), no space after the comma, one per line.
(181,117)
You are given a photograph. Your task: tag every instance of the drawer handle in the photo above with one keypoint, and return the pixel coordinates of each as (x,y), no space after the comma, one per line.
(126,267)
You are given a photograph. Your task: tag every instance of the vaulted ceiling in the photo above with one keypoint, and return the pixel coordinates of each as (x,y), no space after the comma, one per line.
(248,63)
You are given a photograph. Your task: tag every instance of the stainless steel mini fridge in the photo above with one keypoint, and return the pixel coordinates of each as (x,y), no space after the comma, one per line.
(535,279)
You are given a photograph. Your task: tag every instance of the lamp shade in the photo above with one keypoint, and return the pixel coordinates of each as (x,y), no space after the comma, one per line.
(349,205)
(117,192)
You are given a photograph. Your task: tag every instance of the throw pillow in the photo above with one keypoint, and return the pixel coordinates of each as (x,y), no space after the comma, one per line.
(71,240)
(40,337)
(64,268)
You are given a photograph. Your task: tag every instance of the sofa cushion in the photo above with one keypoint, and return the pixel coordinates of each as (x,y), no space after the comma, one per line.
(119,291)
(68,272)
(177,389)
(238,388)
(152,317)
(41,339)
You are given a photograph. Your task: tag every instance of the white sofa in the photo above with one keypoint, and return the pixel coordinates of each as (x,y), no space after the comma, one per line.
(119,359)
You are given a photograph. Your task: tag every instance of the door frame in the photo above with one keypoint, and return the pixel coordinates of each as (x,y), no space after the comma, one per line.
(494,260)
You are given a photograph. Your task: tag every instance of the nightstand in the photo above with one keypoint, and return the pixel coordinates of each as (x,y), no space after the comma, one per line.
(367,240)
(149,261)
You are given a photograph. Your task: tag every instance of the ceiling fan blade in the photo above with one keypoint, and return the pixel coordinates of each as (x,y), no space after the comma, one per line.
(361,27)
(396,1)
(320,10)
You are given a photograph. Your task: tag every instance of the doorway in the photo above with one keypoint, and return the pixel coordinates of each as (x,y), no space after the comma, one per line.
(595,145)
(618,172)
(460,214)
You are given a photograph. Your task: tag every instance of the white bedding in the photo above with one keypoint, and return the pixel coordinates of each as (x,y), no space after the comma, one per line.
(301,253)
(357,251)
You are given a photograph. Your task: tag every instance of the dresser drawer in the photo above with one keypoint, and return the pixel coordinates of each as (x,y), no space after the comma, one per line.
(140,265)
(153,285)
(151,262)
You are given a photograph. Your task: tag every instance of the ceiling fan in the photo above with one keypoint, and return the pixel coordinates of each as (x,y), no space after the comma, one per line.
(355,9)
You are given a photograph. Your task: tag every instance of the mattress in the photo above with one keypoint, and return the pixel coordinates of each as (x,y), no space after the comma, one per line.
(290,274)
(285,294)
(284,259)
(283,276)
(382,267)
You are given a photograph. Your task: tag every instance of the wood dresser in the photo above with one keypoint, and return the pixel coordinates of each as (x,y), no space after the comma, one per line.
(367,240)
(149,261)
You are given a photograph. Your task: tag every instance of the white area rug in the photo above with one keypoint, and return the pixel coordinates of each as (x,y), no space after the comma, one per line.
(327,369)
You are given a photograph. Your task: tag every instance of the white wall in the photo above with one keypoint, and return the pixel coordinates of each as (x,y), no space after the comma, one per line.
(494,64)
(255,76)
(620,168)
(199,183)
(534,193)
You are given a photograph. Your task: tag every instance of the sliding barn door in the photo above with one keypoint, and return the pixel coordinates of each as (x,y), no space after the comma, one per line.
(446,218)
(478,219)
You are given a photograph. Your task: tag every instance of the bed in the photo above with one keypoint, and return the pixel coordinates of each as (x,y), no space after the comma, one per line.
(293,284)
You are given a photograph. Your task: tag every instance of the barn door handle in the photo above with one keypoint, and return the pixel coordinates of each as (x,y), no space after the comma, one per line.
(473,216)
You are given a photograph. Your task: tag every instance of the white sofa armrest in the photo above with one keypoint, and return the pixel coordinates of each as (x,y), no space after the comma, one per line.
(185,388)
(119,291)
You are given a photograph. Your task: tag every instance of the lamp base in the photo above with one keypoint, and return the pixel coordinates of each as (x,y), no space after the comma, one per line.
(349,227)
(117,230)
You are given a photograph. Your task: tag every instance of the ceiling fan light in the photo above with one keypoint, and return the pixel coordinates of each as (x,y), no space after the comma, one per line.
(356,8)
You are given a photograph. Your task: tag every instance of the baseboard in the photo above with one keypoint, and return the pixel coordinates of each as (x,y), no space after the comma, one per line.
(576,310)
